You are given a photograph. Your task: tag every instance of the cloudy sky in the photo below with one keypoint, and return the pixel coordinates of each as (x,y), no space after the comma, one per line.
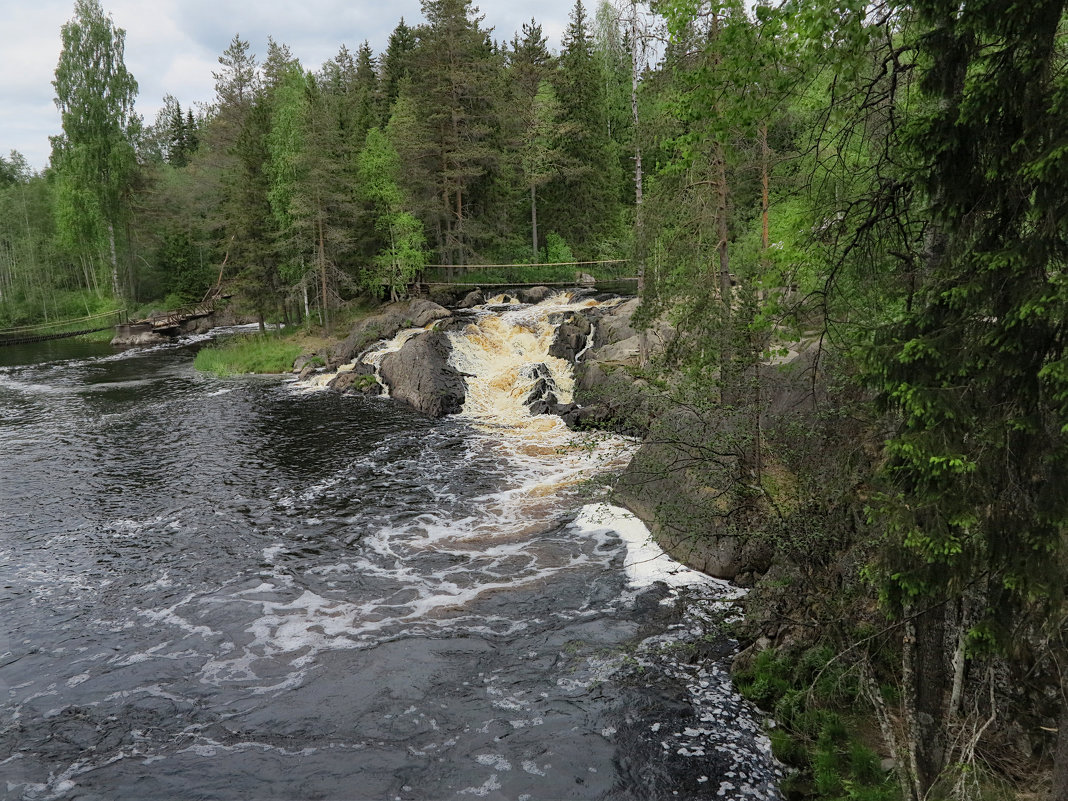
(172,46)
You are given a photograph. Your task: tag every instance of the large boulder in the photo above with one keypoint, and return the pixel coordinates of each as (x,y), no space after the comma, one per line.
(360,380)
(472,299)
(686,496)
(383,325)
(571,337)
(534,294)
(422,312)
(419,374)
(132,336)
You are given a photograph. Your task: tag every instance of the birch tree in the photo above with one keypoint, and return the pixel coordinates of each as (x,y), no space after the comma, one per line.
(94,156)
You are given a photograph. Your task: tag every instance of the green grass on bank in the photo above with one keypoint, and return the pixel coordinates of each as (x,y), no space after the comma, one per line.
(248,354)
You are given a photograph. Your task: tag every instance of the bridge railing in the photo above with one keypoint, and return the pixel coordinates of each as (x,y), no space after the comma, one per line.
(559,273)
(61,329)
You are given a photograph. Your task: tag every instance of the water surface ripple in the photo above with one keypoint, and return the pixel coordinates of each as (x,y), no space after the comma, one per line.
(233,589)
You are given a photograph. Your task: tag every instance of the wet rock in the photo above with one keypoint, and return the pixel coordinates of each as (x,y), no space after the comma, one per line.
(419,374)
(534,294)
(359,380)
(137,336)
(542,396)
(423,312)
(472,299)
(571,337)
(306,372)
(383,325)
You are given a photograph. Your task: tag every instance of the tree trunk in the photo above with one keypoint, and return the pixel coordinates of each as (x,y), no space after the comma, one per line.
(1060,757)
(923,678)
(322,272)
(721,227)
(114,262)
(534,220)
(765,157)
(635,68)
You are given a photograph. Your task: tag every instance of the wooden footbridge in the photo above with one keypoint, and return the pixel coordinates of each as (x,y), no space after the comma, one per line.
(166,323)
(571,273)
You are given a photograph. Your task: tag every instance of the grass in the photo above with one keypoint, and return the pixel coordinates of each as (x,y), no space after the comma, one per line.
(248,354)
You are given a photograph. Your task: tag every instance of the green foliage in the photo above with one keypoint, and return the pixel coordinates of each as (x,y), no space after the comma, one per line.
(814,701)
(401,243)
(94,157)
(556,249)
(250,354)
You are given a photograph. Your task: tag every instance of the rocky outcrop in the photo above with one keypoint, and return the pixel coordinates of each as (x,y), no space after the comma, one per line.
(534,294)
(419,375)
(541,399)
(609,391)
(572,335)
(360,380)
(133,336)
(383,325)
(472,299)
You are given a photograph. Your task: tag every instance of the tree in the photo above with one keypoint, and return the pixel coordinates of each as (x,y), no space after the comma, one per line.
(585,206)
(542,157)
(453,74)
(395,67)
(403,244)
(977,364)
(94,157)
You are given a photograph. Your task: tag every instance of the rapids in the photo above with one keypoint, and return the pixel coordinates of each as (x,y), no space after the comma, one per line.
(243,589)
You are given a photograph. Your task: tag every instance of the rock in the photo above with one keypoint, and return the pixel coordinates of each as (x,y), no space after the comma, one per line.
(359,380)
(306,372)
(673,485)
(616,326)
(542,398)
(197,325)
(534,294)
(472,299)
(624,352)
(586,418)
(585,279)
(571,337)
(137,336)
(306,360)
(419,375)
(391,319)
(422,312)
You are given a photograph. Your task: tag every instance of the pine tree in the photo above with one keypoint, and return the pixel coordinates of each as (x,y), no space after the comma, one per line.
(453,75)
(977,367)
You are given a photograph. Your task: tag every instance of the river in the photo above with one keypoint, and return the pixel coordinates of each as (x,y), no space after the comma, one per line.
(236,589)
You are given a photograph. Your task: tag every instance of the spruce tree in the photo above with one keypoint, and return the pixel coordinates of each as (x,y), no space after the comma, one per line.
(977,365)
(585,207)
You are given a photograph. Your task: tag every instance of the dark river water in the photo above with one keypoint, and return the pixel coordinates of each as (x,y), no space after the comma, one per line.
(237,589)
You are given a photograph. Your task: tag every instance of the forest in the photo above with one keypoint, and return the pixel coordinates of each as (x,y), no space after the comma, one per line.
(884,181)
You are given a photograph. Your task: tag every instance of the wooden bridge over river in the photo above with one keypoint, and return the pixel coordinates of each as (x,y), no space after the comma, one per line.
(166,323)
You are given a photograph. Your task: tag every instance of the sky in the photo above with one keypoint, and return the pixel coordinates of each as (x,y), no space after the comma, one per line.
(173,46)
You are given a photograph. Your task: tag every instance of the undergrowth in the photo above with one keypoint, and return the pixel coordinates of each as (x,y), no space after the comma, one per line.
(814,702)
